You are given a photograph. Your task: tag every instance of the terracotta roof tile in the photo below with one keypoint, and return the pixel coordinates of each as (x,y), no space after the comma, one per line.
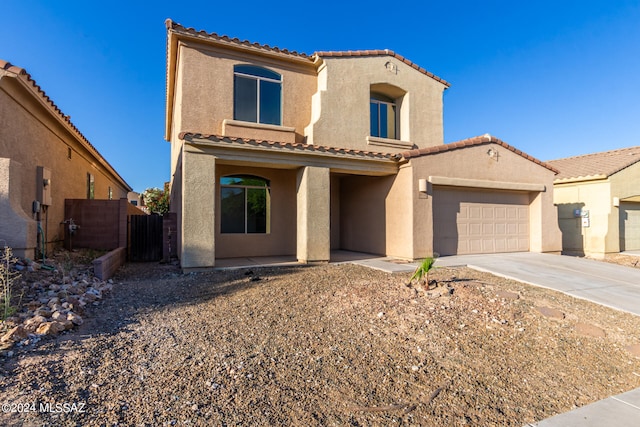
(603,163)
(189,30)
(288,145)
(23,74)
(471,142)
(174,26)
(385,52)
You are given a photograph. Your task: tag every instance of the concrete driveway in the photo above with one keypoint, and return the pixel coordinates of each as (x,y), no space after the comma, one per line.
(608,284)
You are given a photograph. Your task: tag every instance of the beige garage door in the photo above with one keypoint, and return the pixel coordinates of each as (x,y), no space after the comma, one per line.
(629,226)
(480,222)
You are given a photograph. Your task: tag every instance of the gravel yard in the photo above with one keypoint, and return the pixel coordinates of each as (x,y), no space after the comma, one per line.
(321,345)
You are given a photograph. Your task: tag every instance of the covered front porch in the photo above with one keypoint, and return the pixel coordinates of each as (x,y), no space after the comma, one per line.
(312,201)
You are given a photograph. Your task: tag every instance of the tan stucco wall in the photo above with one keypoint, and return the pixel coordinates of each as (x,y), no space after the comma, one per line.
(603,234)
(363,219)
(281,240)
(197,242)
(205,91)
(341,116)
(473,163)
(626,183)
(17,227)
(32,136)
(399,208)
(313,214)
(595,196)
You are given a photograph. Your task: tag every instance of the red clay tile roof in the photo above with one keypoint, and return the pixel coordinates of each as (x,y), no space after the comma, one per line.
(288,145)
(265,47)
(385,52)
(214,36)
(471,142)
(26,77)
(604,163)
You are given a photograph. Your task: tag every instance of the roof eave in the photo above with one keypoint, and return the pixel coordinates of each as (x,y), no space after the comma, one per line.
(25,80)
(473,142)
(172,48)
(576,179)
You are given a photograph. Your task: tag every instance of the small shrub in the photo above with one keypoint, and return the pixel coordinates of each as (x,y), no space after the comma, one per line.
(7,277)
(422,272)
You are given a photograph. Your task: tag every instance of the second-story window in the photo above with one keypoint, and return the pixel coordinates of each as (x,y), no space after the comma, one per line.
(384,117)
(257,95)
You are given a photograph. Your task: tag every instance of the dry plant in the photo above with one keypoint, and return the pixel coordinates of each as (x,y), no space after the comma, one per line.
(7,277)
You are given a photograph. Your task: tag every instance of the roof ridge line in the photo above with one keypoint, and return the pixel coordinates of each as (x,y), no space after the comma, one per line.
(598,153)
(172,25)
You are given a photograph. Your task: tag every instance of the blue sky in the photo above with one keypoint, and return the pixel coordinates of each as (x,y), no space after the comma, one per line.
(552,78)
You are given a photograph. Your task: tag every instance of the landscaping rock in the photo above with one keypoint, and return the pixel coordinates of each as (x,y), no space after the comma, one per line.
(507,295)
(590,330)
(33,323)
(16,334)
(72,317)
(59,315)
(43,311)
(634,349)
(550,312)
(50,328)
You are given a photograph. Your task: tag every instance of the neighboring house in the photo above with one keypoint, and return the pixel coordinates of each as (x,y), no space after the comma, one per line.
(275,152)
(598,199)
(135,199)
(44,159)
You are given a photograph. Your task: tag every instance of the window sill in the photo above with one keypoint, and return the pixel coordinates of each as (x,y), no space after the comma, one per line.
(387,142)
(237,128)
(252,125)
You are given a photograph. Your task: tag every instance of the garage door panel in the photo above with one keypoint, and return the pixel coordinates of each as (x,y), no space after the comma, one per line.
(629,226)
(486,222)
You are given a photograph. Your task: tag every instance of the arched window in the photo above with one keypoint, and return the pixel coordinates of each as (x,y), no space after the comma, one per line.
(384,116)
(257,95)
(244,204)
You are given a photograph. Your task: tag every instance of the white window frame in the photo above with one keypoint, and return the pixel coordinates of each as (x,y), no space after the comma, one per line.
(261,78)
(396,117)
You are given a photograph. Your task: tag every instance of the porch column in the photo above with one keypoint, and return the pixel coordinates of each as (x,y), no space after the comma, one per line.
(313,225)
(198,210)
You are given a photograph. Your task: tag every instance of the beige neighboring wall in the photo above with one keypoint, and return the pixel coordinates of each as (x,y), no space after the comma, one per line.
(33,133)
(593,196)
(602,236)
(341,116)
(504,171)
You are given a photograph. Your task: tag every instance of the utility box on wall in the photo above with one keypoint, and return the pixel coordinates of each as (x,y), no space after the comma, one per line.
(43,186)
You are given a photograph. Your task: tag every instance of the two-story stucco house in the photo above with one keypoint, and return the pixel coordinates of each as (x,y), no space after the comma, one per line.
(281,153)
(44,159)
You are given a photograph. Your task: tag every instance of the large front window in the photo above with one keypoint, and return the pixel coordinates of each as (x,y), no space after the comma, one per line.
(257,95)
(245,204)
(384,117)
